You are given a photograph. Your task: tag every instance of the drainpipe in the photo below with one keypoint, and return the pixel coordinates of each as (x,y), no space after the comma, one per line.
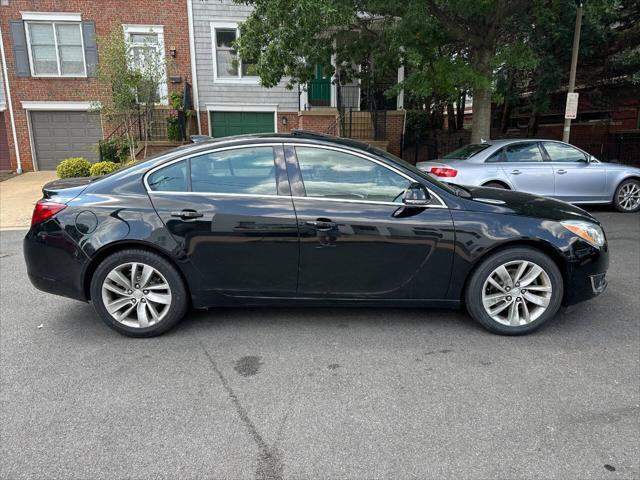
(5,76)
(194,73)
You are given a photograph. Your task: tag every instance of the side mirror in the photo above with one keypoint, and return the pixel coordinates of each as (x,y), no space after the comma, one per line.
(416,196)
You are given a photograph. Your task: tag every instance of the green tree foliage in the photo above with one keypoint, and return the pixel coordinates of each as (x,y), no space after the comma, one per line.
(494,49)
(133,78)
(609,51)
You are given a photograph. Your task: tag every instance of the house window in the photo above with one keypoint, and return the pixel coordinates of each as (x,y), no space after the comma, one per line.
(144,42)
(227,64)
(56,49)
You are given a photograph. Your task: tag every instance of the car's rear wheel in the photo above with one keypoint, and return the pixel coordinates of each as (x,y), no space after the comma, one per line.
(627,197)
(138,293)
(515,291)
(496,185)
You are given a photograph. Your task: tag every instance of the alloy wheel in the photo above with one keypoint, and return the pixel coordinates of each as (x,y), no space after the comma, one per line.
(136,295)
(629,196)
(517,293)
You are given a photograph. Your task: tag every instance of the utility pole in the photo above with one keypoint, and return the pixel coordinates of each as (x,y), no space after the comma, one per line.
(572,75)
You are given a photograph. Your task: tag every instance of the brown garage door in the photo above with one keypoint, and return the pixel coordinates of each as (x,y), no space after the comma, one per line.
(60,135)
(5,164)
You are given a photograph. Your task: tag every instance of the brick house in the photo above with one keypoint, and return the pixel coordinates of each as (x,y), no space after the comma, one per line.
(50,53)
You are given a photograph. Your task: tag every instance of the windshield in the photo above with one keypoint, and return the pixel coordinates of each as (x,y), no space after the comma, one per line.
(413,169)
(467,151)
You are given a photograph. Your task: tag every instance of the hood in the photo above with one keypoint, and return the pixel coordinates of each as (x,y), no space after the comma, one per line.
(496,200)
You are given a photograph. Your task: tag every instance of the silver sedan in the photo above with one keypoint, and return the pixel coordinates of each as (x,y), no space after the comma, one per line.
(543,167)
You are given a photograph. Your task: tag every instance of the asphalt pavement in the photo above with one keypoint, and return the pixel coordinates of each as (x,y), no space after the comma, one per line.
(271,393)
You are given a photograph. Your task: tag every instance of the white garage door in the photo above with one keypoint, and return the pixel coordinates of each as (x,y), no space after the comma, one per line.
(60,135)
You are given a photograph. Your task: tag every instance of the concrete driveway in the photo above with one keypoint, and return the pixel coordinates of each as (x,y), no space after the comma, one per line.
(18,195)
(321,393)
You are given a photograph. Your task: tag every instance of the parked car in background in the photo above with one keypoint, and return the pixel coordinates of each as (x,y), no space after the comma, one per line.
(542,167)
(306,219)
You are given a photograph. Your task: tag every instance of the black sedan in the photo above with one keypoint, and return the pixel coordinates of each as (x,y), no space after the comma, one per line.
(306,219)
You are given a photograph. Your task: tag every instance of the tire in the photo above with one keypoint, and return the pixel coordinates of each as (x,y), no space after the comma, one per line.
(495,185)
(142,312)
(512,258)
(623,203)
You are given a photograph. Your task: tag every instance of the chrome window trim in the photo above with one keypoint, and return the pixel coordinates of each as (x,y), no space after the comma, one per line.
(149,191)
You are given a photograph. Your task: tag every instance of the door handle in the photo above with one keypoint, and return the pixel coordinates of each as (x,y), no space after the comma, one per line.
(321,225)
(186,214)
(561,171)
(515,172)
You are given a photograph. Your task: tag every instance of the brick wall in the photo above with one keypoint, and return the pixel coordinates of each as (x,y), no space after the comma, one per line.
(292,121)
(319,120)
(107,15)
(395,125)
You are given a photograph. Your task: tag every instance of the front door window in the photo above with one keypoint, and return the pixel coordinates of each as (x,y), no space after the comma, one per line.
(559,152)
(339,175)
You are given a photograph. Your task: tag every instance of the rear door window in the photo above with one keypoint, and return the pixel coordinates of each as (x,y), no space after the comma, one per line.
(523,152)
(241,171)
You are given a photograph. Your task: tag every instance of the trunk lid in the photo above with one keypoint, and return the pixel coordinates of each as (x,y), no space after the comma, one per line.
(65,190)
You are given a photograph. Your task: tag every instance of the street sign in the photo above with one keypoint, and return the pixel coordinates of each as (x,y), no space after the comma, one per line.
(571,110)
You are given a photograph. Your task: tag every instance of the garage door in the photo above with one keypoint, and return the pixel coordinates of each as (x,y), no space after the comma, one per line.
(60,135)
(224,124)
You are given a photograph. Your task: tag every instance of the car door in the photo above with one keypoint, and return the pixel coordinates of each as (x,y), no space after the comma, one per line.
(523,164)
(231,211)
(576,179)
(357,238)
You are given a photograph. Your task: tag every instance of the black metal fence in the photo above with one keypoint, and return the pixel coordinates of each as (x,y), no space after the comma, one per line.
(621,147)
(424,148)
(363,125)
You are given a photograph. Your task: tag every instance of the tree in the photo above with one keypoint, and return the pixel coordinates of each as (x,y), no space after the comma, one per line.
(609,52)
(132,76)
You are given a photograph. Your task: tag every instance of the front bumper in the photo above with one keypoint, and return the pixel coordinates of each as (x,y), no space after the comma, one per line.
(586,274)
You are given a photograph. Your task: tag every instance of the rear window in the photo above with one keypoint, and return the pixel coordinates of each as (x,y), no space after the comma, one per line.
(467,151)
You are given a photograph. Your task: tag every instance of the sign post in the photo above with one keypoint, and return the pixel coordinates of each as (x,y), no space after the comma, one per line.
(571,110)
(572,75)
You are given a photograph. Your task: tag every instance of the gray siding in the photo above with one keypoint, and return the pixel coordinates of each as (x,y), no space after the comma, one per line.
(210,92)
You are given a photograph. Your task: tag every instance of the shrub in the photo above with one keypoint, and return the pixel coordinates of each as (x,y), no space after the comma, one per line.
(114,149)
(74,167)
(174,132)
(103,168)
(128,162)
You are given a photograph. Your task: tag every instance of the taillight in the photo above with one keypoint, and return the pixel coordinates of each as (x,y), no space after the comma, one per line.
(45,209)
(444,172)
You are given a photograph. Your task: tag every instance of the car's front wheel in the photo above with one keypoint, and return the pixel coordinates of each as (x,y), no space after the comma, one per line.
(515,291)
(138,293)
(627,197)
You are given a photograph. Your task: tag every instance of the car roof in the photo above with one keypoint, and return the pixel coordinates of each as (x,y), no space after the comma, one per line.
(505,141)
(295,136)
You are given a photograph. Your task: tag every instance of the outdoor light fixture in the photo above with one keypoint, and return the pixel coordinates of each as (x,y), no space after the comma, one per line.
(172,52)
(284,120)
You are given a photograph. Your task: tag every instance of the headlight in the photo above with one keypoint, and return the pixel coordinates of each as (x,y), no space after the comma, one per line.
(590,232)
